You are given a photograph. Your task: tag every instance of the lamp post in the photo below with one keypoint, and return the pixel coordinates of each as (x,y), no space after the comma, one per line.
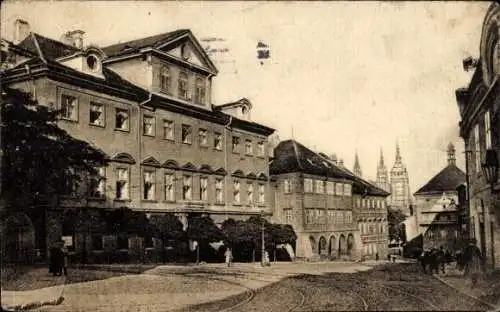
(490,171)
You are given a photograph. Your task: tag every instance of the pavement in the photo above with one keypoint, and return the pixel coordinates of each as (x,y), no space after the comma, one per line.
(169,286)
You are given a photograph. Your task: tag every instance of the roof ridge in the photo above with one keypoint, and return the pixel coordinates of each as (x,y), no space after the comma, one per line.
(148,37)
(296,150)
(37,45)
(54,40)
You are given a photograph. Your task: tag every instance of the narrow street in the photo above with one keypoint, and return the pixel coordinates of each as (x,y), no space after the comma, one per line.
(282,287)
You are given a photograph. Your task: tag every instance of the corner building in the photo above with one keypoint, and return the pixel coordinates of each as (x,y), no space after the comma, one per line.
(147,104)
(316,197)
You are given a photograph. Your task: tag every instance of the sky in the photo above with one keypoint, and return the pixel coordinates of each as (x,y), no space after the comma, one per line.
(342,76)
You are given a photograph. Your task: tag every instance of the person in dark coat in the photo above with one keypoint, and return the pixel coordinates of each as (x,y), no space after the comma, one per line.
(56,259)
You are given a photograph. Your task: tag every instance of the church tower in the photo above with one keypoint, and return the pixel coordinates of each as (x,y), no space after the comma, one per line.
(357,168)
(400,187)
(382,175)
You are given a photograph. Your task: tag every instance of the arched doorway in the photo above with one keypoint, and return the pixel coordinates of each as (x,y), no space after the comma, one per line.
(322,246)
(313,244)
(350,243)
(333,246)
(19,238)
(342,245)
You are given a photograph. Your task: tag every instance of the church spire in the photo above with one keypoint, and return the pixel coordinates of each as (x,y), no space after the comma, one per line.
(451,154)
(357,167)
(398,153)
(381,162)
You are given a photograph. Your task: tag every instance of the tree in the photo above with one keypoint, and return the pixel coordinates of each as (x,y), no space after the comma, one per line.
(39,157)
(169,228)
(395,218)
(203,230)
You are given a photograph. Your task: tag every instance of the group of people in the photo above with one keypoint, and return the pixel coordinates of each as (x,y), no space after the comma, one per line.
(435,259)
(58,261)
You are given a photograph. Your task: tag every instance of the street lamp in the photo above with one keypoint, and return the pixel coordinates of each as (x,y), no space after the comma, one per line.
(490,168)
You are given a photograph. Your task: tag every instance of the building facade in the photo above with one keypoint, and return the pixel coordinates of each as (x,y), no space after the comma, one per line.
(437,206)
(317,196)
(479,106)
(147,104)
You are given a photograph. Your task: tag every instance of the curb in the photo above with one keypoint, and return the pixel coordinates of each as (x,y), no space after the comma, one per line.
(34,305)
(493,307)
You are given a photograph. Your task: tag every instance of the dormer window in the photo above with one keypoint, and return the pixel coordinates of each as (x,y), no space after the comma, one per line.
(165,79)
(200,91)
(92,63)
(183,86)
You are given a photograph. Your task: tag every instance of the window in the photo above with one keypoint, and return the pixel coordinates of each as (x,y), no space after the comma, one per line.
(262,194)
(199,97)
(250,193)
(331,215)
(287,184)
(219,191)
(260,148)
(97,184)
(248,147)
(339,189)
(122,242)
(347,189)
(487,129)
(308,185)
(97,242)
(217,141)
(319,187)
(348,216)
(169,187)
(149,185)
(183,86)
(121,119)
(69,107)
(187,188)
(203,188)
(203,137)
(148,125)
(330,188)
(236,144)
(122,186)
(96,114)
(186,134)
(477,148)
(168,130)
(236,192)
(287,216)
(309,216)
(165,79)
(320,216)
(71,182)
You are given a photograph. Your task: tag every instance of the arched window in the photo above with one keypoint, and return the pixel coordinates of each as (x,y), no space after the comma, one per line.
(183,86)
(200,91)
(165,79)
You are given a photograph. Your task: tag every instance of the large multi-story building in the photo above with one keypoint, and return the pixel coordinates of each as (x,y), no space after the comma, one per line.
(436,206)
(323,202)
(479,107)
(147,104)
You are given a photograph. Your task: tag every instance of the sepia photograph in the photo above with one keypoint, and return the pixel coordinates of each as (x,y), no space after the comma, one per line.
(249,156)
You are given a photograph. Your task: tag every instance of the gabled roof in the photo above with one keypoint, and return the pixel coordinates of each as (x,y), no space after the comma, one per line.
(447,179)
(137,44)
(291,156)
(50,48)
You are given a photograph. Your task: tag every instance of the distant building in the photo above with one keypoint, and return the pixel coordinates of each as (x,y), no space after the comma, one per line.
(437,206)
(382,175)
(400,186)
(357,167)
(325,203)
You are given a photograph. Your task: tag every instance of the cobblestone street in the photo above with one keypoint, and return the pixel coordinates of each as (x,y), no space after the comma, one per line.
(281,287)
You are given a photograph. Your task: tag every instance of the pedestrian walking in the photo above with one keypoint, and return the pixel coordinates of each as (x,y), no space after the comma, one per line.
(377,256)
(64,254)
(56,259)
(229,256)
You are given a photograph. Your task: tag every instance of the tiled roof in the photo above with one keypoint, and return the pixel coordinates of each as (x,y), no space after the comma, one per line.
(111,78)
(152,41)
(291,156)
(447,179)
(50,48)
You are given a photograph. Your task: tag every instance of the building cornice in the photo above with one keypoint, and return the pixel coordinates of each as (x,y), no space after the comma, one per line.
(467,120)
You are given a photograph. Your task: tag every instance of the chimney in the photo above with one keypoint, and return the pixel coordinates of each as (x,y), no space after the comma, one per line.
(341,162)
(451,154)
(333,157)
(73,38)
(21,30)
